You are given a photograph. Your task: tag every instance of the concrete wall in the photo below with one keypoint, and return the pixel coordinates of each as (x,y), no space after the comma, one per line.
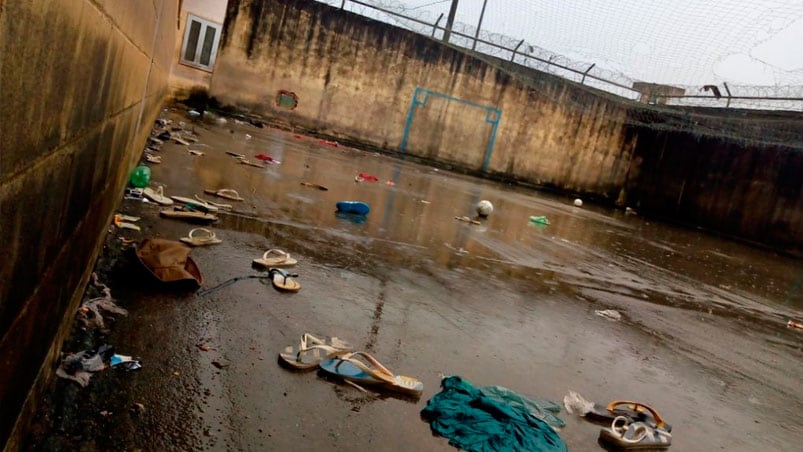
(735,172)
(185,78)
(355,78)
(82,82)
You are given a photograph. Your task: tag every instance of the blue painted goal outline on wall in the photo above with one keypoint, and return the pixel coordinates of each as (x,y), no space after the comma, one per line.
(420,97)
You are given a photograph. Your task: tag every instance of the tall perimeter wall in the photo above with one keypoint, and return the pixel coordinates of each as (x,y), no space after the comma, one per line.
(81,82)
(385,87)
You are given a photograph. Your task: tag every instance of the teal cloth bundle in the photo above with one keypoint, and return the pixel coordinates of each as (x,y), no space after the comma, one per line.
(499,420)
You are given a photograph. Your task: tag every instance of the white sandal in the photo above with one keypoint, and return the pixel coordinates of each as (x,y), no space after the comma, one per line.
(157,196)
(281,259)
(207,238)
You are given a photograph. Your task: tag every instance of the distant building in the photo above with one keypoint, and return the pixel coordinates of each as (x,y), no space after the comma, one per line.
(653,93)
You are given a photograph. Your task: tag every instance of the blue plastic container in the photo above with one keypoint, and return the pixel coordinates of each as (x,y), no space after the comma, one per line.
(355,207)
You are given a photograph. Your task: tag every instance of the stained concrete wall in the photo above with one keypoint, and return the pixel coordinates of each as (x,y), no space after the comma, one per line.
(184,78)
(81,82)
(735,172)
(355,80)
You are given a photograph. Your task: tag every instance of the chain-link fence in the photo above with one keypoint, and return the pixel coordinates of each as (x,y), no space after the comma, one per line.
(526,54)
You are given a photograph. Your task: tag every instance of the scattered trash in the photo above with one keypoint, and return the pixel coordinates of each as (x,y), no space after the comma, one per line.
(157,196)
(134,193)
(226,193)
(247,136)
(633,411)
(484,208)
(155,141)
(206,237)
(177,138)
(467,220)
(137,408)
(365,177)
(221,363)
(355,207)
(234,154)
(629,211)
(298,136)
(328,143)
(194,114)
(472,420)
(267,158)
(214,204)
(124,362)
(794,325)
(189,213)
(204,347)
(169,261)
(576,404)
(610,314)
(221,120)
(78,367)
(140,177)
(89,313)
(153,158)
(119,221)
(318,186)
(578,202)
(194,152)
(255,165)
(390,183)
(541,219)
(423,201)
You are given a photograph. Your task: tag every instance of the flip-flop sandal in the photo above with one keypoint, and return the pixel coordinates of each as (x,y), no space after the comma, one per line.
(309,353)
(195,204)
(250,163)
(157,196)
(628,435)
(370,372)
(318,186)
(183,213)
(281,259)
(153,158)
(634,411)
(283,281)
(227,193)
(216,204)
(206,238)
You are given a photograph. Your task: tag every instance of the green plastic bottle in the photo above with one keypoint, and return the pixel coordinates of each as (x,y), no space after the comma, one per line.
(140,177)
(541,219)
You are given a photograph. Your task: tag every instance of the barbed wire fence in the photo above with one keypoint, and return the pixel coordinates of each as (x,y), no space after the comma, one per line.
(526,54)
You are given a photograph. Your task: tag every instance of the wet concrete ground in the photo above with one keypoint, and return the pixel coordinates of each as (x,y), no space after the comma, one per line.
(703,336)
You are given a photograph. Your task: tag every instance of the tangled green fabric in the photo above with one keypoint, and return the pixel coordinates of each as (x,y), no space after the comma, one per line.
(476,422)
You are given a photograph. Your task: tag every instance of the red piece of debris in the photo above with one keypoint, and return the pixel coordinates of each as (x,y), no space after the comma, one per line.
(365,177)
(329,143)
(267,158)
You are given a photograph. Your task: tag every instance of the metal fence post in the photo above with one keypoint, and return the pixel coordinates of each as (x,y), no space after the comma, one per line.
(586,73)
(512,57)
(728,90)
(435,27)
(343,4)
(479,25)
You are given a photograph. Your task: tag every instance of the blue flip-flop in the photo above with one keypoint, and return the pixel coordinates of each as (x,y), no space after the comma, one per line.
(368,371)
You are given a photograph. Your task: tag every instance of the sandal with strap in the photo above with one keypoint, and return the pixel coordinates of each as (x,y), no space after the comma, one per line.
(311,351)
(362,368)
(227,193)
(279,259)
(629,435)
(283,281)
(206,238)
(157,196)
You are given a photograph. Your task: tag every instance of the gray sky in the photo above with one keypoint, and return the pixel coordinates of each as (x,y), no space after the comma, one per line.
(686,42)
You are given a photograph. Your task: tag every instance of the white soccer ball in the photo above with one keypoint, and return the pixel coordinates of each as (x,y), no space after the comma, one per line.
(484,208)
(578,202)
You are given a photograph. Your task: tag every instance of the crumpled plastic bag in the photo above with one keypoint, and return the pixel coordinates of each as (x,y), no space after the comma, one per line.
(576,404)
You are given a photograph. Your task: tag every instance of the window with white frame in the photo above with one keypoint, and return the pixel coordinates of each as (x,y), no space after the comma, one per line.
(201,38)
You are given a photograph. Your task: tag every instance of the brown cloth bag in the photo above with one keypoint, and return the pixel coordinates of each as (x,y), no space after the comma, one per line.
(169,261)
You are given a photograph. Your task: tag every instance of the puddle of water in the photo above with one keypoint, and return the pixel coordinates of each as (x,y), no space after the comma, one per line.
(414,216)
